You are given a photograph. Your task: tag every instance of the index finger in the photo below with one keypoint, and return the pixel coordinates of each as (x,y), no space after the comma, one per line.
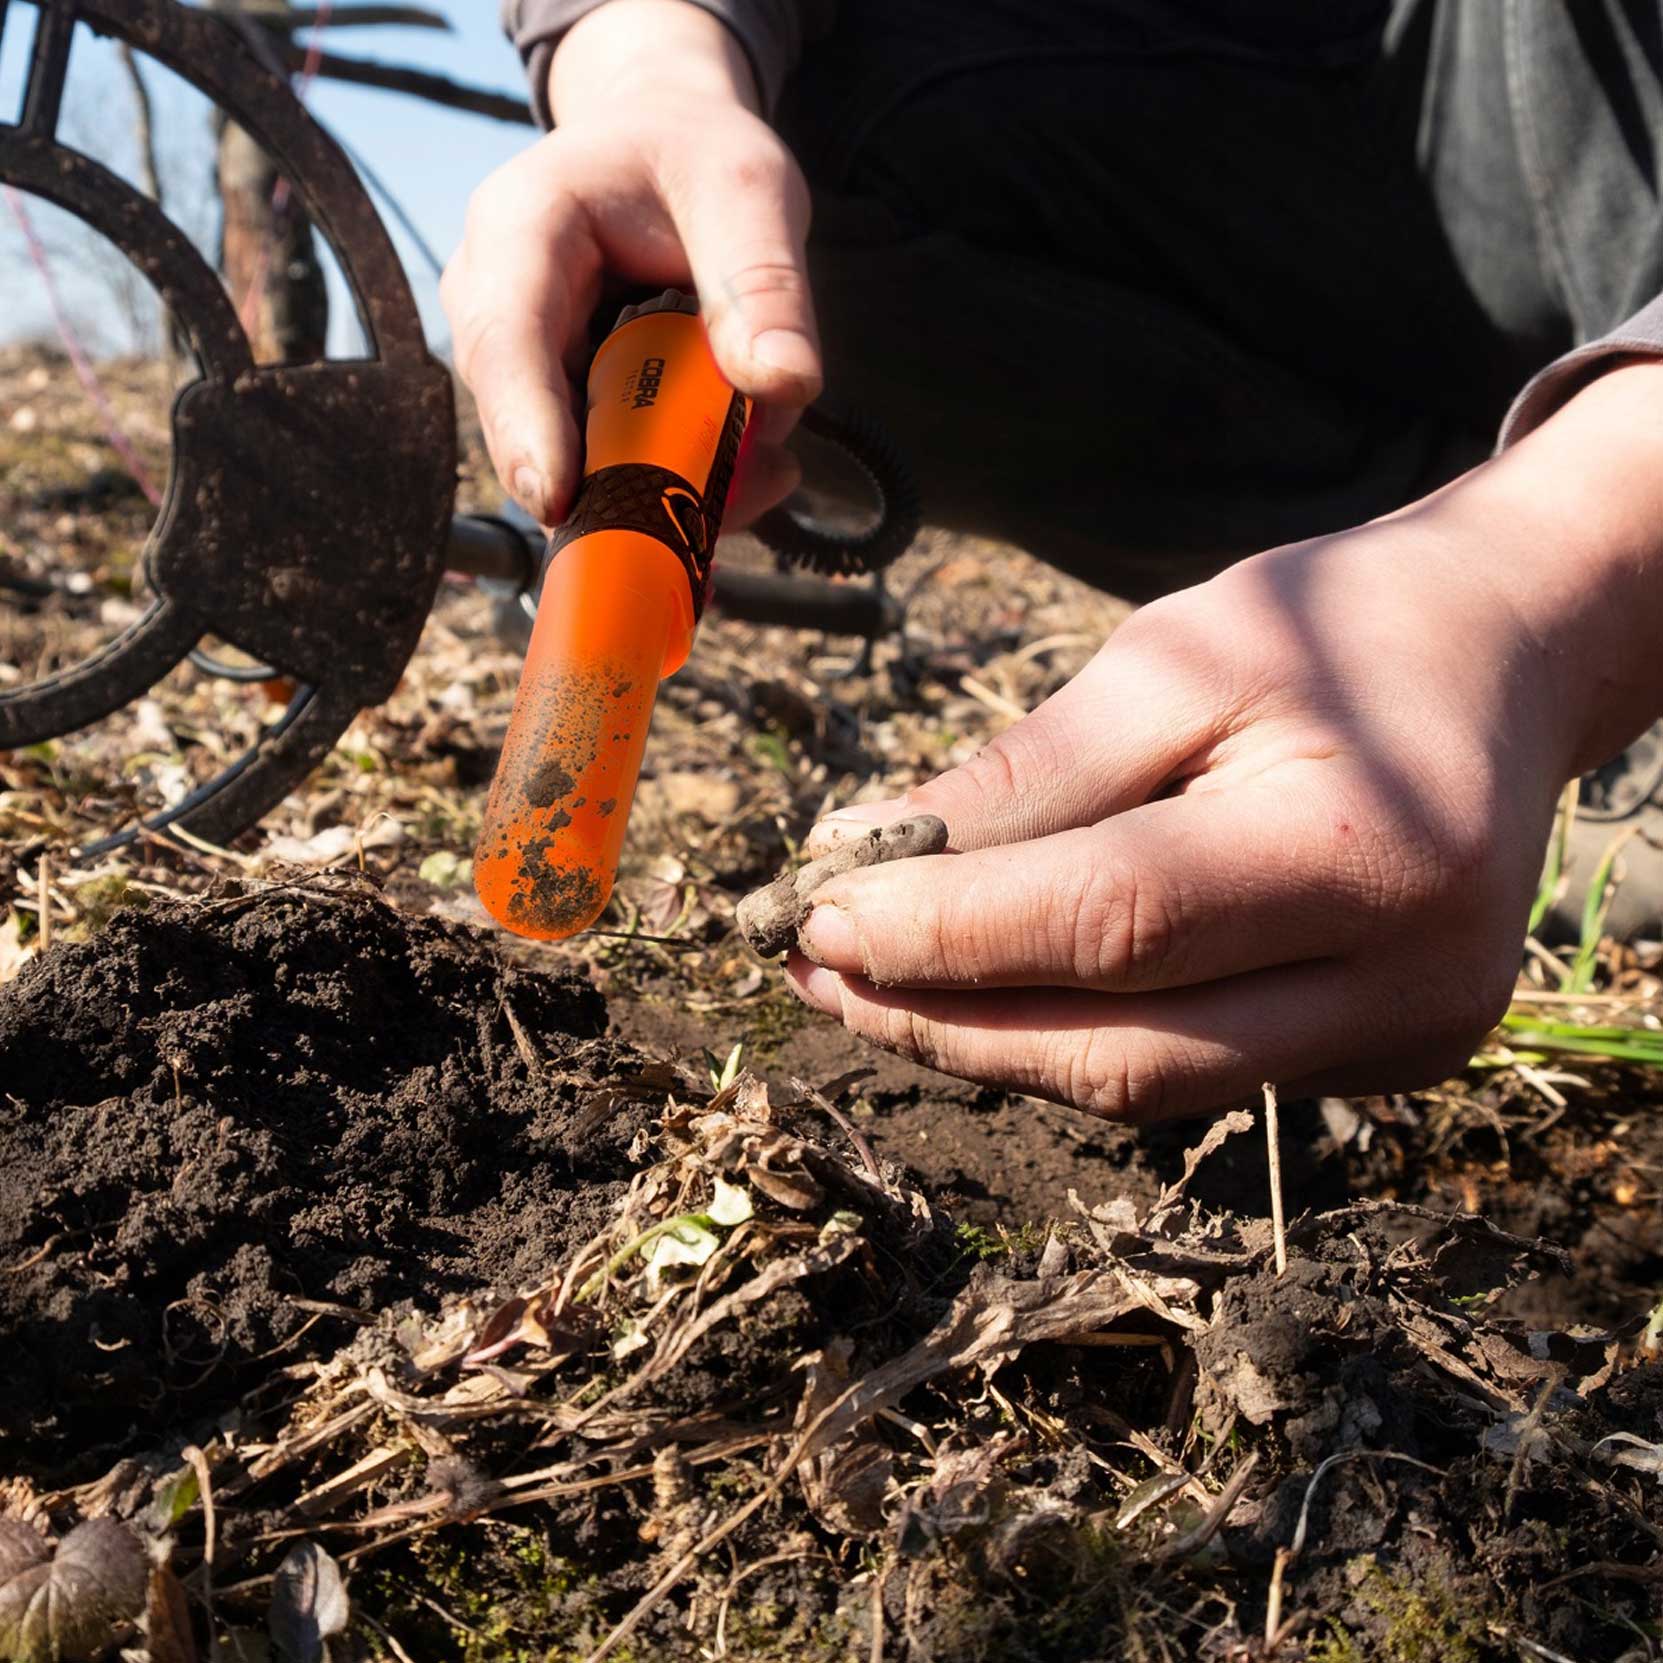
(518,296)
(1186,890)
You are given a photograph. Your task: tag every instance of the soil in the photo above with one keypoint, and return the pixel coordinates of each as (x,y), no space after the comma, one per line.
(1413,1550)
(993,1159)
(255,1135)
(244,1129)
(219,1115)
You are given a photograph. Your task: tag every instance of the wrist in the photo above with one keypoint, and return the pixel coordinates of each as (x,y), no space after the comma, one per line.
(625,49)
(1573,515)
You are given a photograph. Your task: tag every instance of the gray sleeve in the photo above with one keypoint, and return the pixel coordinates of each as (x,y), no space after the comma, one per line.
(772,33)
(1641,336)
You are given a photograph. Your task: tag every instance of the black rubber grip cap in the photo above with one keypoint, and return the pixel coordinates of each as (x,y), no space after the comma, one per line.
(672,300)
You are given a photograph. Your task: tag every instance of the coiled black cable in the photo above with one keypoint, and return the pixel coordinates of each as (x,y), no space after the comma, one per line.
(899,511)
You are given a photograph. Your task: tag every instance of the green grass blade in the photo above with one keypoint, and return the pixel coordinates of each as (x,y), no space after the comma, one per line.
(1548,890)
(1531,1036)
(1596,906)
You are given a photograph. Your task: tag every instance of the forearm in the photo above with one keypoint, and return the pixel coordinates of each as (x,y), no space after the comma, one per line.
(669,45)
(1572,515)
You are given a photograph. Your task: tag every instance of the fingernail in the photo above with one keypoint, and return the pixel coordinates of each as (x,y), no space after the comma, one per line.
(530,489)
(828,937)
(788,351)
(817,988)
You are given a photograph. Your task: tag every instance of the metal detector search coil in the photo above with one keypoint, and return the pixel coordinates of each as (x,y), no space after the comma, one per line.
(625,586)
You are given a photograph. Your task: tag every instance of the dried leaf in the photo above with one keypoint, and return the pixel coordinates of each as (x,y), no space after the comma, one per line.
(500,1331)
(795,1190)
(989,1322)
(75,1606)
(317,850)
(1420,1331)
(661,907)
(1053,1261)
(1345,1124)
(1158,1294)
(665,868)
(960,1495)
(844,1487)
(833,1090)
(308,1604)
(750,1098)
(854,1480)
(167,1619)
(778,1273)
(1514,1432)
(1238,1120)
(13,954)
(1633,1452)
(21,1548)
(1524,1356)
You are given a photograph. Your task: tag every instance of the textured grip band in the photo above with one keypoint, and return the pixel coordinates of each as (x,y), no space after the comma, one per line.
(660,503)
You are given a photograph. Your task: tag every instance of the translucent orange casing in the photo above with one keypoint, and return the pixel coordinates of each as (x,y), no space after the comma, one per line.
(617,613)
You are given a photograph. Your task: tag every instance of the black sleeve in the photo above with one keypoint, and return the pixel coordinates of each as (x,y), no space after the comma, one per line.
(772,33)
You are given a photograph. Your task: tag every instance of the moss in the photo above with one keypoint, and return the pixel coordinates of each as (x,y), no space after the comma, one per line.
(98,900)
(766,1633)
(1067,1593)
(1423,1621)
(1336,1646)
(502,1595)
(976,1243)
(772,1021)
(998,1243)
(773,747)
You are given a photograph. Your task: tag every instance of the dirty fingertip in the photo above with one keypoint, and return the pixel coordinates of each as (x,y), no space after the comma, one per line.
(828,937)
(817,987)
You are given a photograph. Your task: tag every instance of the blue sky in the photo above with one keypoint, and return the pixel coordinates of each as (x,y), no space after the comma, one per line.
(430,158)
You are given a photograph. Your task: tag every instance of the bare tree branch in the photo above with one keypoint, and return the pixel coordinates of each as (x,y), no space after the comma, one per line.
(436,89)
(144,125)
(150,176)
(363,17)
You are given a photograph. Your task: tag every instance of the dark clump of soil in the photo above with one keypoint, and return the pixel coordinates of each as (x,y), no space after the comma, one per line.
(217,1117)
(1447,1465)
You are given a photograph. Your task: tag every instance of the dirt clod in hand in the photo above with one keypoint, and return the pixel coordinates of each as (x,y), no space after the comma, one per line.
(770,917)
(213,1111)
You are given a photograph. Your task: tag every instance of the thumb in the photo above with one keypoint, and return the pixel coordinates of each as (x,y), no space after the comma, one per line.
(744,228)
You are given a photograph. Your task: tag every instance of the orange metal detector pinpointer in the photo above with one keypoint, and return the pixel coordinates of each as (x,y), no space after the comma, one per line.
(622,594)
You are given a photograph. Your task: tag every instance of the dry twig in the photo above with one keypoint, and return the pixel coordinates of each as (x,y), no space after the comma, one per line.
(1273,1141)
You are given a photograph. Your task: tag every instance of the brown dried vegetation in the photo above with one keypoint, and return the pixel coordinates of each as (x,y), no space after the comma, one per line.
(393,1309)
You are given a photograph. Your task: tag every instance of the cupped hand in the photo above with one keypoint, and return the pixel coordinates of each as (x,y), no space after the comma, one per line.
(663,187)
(1284,827)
